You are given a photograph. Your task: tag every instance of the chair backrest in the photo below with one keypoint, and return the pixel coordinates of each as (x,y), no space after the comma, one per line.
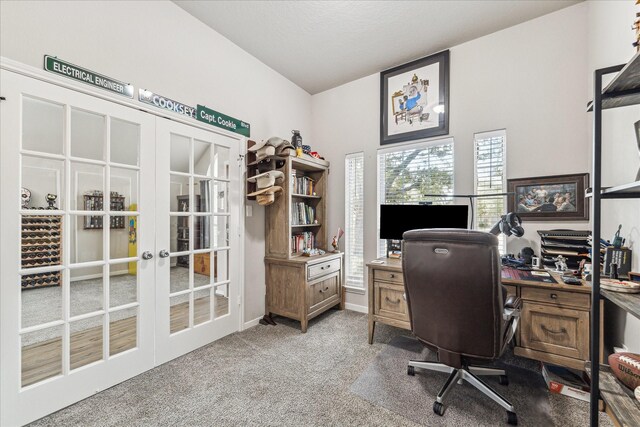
(453,288)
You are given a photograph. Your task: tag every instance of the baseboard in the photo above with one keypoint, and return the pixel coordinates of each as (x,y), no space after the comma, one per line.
(251,323)
(356,307)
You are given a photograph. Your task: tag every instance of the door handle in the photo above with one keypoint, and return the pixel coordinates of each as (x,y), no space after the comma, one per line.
(163,253)
(147,255)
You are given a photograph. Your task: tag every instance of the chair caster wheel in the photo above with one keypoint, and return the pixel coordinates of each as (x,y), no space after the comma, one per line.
(512,418)
(411,371)
(438,408)
(504,380)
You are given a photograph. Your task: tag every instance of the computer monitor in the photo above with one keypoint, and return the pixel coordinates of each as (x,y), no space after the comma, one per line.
(396,219)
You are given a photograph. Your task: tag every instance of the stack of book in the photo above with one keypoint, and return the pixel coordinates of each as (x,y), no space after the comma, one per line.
(302,241)
(302,214)
(303,185)
(571,244)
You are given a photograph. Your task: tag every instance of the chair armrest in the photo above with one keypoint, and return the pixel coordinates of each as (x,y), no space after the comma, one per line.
(513,302)
(511,316)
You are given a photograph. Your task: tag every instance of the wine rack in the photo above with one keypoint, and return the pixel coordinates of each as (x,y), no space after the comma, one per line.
(41,247)
(94,201)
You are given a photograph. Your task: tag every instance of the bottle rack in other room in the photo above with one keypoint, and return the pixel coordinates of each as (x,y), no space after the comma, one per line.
(41,247)
(182,237)
(95,202)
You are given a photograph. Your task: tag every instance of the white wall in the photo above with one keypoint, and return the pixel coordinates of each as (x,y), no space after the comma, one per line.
(158,46)
(529,79)
(610,38)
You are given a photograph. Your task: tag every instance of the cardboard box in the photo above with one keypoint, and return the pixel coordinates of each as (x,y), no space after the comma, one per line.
(566,381)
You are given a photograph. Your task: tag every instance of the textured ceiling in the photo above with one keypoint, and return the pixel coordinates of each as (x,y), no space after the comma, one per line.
(322,44)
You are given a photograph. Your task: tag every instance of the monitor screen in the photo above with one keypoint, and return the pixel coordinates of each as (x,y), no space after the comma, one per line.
(396,219)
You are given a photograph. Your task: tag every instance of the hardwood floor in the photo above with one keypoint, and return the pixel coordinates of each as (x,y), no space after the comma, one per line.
(44,360)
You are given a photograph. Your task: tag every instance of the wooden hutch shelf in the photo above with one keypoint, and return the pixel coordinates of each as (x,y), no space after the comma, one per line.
(299,287)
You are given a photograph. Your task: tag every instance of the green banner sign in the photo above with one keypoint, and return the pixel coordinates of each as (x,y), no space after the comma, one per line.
(74,72)
(213,118)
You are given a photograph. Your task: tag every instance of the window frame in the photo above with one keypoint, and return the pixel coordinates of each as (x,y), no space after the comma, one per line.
(502,133)
(413,145)
(351,286)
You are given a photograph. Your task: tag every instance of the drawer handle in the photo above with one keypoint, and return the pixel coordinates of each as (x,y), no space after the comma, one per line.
(326,266)
(554,296)
(392,302)
(393,276)
(561,331)
(324,290)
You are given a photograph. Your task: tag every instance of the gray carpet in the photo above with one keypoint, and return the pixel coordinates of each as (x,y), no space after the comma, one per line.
(386,383)
(266,376)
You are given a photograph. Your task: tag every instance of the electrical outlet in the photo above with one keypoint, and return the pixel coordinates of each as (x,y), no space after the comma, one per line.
(248,210)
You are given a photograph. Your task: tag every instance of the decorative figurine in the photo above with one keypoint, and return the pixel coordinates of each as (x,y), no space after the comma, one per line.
(561,264)
(51,199)
(617,240)
(25,195)
(335,242)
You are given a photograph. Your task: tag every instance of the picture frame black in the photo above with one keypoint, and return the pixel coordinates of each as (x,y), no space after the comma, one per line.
(550,198)
(400,118)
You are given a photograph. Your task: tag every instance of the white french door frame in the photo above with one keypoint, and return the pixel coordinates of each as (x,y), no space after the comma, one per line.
(40,406)
(38,74)
(172,345)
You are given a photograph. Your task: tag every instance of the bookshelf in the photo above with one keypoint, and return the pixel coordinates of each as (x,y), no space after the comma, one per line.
(299,213)
(299,287)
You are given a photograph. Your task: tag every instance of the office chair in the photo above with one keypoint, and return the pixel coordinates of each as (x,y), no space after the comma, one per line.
(457,307)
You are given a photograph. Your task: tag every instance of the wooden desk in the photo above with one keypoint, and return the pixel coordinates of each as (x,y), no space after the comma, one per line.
(554,324)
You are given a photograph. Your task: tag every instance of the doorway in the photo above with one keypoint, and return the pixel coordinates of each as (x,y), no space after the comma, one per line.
(97,282)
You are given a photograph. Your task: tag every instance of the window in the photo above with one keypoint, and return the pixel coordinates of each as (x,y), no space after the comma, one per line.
(406,173)
(354,219)
(490,173)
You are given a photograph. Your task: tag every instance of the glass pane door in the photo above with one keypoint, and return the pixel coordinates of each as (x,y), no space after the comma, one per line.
(75,305)
(194,218)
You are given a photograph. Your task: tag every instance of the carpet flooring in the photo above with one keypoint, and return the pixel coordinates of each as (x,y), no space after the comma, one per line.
(268,376)
(386,383)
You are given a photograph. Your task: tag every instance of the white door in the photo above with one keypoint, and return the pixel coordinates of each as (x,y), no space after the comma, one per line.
(77,299)
(197,212)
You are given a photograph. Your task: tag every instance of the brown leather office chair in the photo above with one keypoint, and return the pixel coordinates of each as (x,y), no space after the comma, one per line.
(457,306)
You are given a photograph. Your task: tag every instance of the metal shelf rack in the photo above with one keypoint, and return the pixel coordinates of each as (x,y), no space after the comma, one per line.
(623,90)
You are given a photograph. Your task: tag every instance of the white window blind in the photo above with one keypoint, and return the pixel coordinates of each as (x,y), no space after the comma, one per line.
(407,173)
(490,177)
(354,220)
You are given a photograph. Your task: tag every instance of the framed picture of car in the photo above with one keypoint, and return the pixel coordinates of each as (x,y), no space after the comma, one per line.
(414,100)
(550,198)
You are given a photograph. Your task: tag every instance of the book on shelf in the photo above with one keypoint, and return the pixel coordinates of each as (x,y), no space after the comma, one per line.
(301,241)
(302,214)
(304,185)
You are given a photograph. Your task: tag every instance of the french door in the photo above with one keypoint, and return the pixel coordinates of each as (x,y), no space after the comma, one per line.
(98,283)
(197,178)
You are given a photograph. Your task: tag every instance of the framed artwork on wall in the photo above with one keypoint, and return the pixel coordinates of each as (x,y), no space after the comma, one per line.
(550,198)
(414,100)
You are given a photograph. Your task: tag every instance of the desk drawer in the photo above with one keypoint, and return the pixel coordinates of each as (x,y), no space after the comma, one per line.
(388,276)
(551,296)
(322,291)
(555,330)
(390,302)
(323,268)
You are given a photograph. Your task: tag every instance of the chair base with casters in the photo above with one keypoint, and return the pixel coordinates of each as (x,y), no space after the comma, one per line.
(471,375)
